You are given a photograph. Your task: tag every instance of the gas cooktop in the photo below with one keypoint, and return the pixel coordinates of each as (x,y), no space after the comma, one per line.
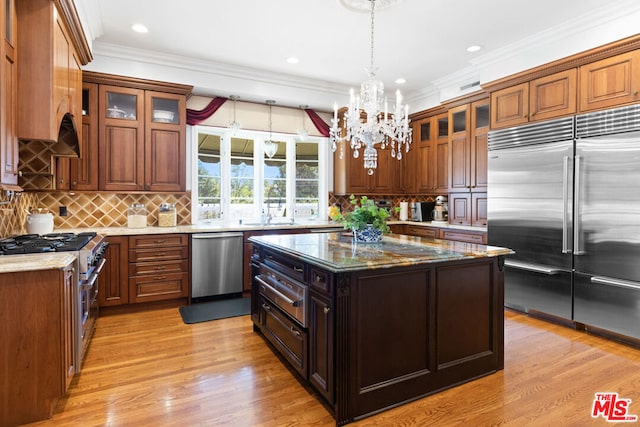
(35,243)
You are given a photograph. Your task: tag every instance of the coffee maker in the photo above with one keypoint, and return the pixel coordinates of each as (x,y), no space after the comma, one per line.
(441,210)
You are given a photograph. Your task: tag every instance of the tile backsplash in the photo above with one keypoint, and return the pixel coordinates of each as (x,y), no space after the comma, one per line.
(89,209)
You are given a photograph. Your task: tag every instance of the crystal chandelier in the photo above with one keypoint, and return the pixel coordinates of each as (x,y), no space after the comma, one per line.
(378,126)
(270,147)
(234,125)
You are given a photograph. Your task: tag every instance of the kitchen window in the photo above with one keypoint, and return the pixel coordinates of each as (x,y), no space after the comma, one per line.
(235,180)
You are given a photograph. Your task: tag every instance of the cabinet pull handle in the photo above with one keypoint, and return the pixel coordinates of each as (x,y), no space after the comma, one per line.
(326,309)
(159,268)
(160,277)
(295,331)
(266,307)
(298,269)
(160,241)
(319,279)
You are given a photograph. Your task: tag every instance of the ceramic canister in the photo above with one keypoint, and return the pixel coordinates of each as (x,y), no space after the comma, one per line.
(39,223)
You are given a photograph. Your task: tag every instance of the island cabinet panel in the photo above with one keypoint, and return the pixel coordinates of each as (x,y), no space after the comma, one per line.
(393,336)
(465,322)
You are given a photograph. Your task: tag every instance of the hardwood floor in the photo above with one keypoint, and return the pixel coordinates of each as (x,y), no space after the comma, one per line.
(150,369)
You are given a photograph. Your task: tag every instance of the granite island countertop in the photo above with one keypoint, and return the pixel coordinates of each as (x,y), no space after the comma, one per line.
(337,252)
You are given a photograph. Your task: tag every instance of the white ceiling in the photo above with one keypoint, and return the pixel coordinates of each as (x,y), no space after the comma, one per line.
(423,41)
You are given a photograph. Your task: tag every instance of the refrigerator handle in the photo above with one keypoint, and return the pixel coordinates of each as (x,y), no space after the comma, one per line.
(627,284)
(565,206)
(577,241)
(532,267)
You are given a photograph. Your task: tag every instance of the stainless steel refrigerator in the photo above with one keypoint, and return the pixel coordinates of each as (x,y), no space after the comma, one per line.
(565,195)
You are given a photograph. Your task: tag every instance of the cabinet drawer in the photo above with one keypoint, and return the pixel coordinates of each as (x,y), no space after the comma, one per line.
(423,232)
(289,266)
(158,240)
(321,281)
(181,266)
(158,287)
(287,336)
(161,254)
(464,237)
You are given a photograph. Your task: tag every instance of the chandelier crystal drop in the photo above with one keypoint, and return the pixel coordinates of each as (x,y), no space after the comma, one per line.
(234,125)
(270,147)
(367,124)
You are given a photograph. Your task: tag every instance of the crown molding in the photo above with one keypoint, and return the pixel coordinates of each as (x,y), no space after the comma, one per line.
(216,68)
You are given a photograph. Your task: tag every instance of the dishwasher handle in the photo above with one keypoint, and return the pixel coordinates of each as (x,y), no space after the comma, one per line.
(215,235)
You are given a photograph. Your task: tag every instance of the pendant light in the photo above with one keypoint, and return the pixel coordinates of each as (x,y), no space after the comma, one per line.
(234,125)
(270,147)
(302,132)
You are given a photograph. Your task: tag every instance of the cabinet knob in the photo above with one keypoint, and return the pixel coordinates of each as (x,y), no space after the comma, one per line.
(326,309)
(635,93)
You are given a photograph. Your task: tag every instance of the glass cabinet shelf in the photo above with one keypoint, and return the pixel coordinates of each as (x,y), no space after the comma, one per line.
(121,106)
(165,110)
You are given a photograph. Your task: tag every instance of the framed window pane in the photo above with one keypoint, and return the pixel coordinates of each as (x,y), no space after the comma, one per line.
(242,188)
(307,180)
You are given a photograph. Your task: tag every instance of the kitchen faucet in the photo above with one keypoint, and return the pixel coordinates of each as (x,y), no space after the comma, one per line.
(273,188)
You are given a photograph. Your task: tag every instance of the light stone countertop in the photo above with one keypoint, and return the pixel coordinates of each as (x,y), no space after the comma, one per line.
(32,262)
(234,226)
(56,260)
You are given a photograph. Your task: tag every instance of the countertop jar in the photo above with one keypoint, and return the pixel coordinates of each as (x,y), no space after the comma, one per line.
(167,215)
(137,216)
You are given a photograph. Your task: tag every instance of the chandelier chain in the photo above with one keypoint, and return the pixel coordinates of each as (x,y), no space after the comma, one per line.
(373,7)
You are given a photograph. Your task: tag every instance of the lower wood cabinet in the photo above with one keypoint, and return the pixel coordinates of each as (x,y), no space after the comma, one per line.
(114,283)
(145,268)
(158,267)
(457,234)
(37,355)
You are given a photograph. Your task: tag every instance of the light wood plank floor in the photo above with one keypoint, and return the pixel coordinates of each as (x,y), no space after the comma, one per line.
(150,369)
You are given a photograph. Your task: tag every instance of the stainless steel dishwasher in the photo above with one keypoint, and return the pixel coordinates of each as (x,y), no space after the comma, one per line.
(216,264)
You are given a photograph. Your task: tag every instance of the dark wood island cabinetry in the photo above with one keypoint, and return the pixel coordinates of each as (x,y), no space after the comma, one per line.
(382,324)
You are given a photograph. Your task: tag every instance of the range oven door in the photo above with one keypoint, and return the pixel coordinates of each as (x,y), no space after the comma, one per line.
(88,307)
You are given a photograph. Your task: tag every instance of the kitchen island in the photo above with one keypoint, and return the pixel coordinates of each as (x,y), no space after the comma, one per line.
(372,326)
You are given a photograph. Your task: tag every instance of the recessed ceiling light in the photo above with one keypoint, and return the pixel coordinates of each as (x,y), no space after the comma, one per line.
(139,28)
(474,48)
(401,81)
(293,60)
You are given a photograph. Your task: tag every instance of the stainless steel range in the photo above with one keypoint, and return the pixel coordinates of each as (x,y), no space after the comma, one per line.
(90,248)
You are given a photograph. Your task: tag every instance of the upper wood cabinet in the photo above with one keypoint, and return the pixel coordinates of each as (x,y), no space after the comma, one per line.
(139,128)
(610,82)
(49,82)
(8,94)
(121,138)
(510,106)
(540,99)
(429,156)
(553,96)
(82,173)
(468,127)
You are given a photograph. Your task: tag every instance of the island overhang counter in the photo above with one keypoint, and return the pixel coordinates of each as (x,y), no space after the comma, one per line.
(373,326)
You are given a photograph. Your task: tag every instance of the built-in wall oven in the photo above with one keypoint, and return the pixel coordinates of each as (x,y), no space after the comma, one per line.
(90,248)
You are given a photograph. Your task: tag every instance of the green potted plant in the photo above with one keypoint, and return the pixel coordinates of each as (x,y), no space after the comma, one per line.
(367,221)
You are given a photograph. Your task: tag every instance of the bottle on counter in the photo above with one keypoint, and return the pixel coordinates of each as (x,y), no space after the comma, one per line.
(167,215)
(137,216)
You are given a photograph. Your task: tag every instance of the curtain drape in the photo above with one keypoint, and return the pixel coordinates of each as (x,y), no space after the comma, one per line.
(317,121)
(197,116)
